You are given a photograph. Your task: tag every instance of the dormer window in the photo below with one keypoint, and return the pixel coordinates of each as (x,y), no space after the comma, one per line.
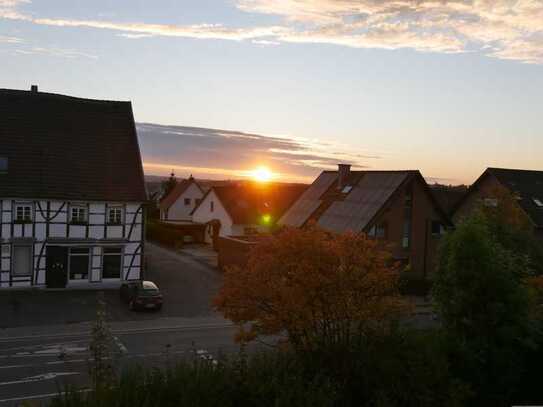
(78,214)
(23,213)
(3,165)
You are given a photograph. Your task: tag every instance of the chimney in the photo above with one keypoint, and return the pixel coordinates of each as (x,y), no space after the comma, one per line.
(343,171)
(34,89)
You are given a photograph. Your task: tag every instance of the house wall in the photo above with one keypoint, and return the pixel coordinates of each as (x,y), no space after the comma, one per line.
(203,214)
(50,226)
(422,251)
(180,211)
(486,188)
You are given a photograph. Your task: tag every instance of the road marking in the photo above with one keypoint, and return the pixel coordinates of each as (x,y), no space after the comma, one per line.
(40,396)
(173,328)
(40,378)
(120,345)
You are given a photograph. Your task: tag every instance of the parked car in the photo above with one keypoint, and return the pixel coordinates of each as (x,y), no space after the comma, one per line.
(141,295)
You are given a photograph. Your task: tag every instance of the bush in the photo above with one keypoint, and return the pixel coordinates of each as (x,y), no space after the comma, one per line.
(268,379)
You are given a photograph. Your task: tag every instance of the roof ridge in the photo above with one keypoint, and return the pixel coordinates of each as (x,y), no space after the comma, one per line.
(61,96)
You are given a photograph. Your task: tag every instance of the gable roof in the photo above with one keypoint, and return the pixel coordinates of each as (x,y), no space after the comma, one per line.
(368,193)
(246,203)
(525,184)
(61,147)
(178,190)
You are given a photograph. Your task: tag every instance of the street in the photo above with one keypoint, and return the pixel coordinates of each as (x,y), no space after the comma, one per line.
(35,366)
(45,335)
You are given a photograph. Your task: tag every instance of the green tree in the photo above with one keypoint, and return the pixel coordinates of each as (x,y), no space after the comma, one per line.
(483,299)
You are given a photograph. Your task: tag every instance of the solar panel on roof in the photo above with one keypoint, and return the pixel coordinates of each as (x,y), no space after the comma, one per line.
(363,203)
(308,203)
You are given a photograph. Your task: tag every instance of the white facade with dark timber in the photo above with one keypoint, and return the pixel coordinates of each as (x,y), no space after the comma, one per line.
(80,221)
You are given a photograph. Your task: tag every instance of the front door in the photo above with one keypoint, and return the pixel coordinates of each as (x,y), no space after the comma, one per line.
(56,274)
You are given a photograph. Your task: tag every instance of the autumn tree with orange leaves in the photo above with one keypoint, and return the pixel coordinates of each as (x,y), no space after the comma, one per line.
(319,289)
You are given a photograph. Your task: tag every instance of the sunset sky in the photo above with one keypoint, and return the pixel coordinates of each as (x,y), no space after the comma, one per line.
(222,86)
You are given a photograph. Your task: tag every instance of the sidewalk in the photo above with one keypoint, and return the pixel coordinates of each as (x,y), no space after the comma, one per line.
(203,253)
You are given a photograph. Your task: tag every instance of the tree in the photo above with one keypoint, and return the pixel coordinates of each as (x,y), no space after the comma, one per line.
(482,296)
(322,290)
(102,346)
(169,184)
(513,229)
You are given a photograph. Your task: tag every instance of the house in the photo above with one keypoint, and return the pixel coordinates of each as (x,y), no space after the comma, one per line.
(181,201)
(525,186)
(395,206)
(71,192)
(243,209)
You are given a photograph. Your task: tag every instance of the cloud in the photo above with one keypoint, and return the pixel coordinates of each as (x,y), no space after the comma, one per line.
(211,152)
(10,40)
(55,52)
(498,28)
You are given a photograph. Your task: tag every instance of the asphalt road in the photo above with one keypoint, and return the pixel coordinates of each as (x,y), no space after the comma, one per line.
(187,284)
(34,367)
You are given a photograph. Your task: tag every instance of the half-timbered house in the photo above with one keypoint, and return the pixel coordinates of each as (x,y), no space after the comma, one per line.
(71,192)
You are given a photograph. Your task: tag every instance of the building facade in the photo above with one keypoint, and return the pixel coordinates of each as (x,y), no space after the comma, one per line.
(71,192)
(396,207)
(181,201)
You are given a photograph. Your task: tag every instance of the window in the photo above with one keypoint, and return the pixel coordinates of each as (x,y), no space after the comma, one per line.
(115,215)
(3,165)
(112,262)
(23,213)
(211,206)
(22,261)
(490,202)
(538,202)
(379,231)
(187,201)
(79,263)
(78,214)
(437,228)
(408,210)
(197,201)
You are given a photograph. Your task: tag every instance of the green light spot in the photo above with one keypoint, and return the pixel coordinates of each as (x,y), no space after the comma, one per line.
(266,219)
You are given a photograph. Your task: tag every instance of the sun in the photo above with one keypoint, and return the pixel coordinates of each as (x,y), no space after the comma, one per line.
(262,174)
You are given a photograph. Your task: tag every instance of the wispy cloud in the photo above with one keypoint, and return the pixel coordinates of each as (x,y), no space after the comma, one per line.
(55,52)
(11,40)
(211,152)
(499,28)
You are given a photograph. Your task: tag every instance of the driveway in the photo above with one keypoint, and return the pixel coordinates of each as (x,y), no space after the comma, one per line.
(188,286)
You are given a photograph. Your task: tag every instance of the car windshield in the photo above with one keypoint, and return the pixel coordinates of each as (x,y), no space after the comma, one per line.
(149,292)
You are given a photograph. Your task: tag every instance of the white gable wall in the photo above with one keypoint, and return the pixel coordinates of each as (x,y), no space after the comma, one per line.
(180,211)
(204,214)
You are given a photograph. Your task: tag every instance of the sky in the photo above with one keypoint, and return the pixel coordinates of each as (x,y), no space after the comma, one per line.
(221,86)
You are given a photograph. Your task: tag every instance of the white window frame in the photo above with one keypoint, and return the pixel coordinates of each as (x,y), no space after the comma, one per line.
(115,208)
(79,208)
(121,264)
(13,262)
(24,206)
(89,269)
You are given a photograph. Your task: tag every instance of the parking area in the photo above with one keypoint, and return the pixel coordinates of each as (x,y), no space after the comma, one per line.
(188,284)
